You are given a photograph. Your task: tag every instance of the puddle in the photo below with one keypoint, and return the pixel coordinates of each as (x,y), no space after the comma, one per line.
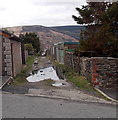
(43,74)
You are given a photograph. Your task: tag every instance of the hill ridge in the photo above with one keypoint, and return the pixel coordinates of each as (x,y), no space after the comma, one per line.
(50,35)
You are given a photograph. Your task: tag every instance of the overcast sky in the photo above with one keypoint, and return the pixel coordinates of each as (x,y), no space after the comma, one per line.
(38,12)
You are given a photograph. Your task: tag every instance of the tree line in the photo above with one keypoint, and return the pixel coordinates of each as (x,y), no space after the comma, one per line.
(101,34)
(31,41)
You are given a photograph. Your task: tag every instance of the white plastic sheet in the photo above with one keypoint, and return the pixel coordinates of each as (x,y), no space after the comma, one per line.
(43,74)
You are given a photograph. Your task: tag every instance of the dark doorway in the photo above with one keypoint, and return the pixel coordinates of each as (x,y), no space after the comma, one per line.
(12,60)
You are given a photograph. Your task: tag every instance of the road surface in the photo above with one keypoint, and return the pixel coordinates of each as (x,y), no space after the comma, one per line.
(21,106)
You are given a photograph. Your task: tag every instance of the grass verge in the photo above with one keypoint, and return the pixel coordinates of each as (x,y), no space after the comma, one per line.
(21,77)
(80,81)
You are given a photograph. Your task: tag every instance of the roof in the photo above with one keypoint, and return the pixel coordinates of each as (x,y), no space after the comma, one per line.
(69,50)
(58,43)
(10,36)
(72,43)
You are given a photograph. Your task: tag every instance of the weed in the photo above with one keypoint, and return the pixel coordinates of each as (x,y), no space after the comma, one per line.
(21,77)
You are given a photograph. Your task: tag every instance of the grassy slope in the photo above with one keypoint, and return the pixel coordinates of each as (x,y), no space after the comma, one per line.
(21,77)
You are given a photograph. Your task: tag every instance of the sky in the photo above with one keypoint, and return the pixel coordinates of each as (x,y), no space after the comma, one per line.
(38,12)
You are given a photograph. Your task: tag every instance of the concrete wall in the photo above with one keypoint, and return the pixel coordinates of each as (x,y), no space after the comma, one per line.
(0,55)
(57,51)
(26,54)
(17,57)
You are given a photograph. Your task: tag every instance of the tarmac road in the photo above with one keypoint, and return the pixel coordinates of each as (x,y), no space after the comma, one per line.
(20,106)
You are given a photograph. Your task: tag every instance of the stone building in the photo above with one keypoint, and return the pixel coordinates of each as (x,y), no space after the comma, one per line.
(11,54)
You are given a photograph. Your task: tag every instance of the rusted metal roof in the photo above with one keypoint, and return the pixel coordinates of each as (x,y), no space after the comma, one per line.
(10,36)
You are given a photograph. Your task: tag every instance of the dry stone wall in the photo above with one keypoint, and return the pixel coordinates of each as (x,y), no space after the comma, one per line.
(105,71)
(85,67)
(101,71)
(72,61)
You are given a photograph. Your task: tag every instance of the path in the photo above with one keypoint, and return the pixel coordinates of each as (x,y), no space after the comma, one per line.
(45,88)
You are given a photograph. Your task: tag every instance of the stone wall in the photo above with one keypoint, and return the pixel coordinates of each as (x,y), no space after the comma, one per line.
(102,71)
(7,62)
(68,60)
(72,61)
(60,72)
(105,71)
(85,67)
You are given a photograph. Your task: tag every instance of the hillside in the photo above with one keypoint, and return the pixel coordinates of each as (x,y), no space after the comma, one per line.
(73,31)
(50,35)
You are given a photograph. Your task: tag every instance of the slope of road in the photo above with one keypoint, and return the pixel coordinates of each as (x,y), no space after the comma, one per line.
(20,106)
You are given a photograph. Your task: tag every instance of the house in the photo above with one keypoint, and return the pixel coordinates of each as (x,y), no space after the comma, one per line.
(70,46)
(59,50)
(12,54)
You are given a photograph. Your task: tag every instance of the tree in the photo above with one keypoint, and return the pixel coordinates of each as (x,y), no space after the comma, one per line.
(33,39)
(101,20)
(29,47)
